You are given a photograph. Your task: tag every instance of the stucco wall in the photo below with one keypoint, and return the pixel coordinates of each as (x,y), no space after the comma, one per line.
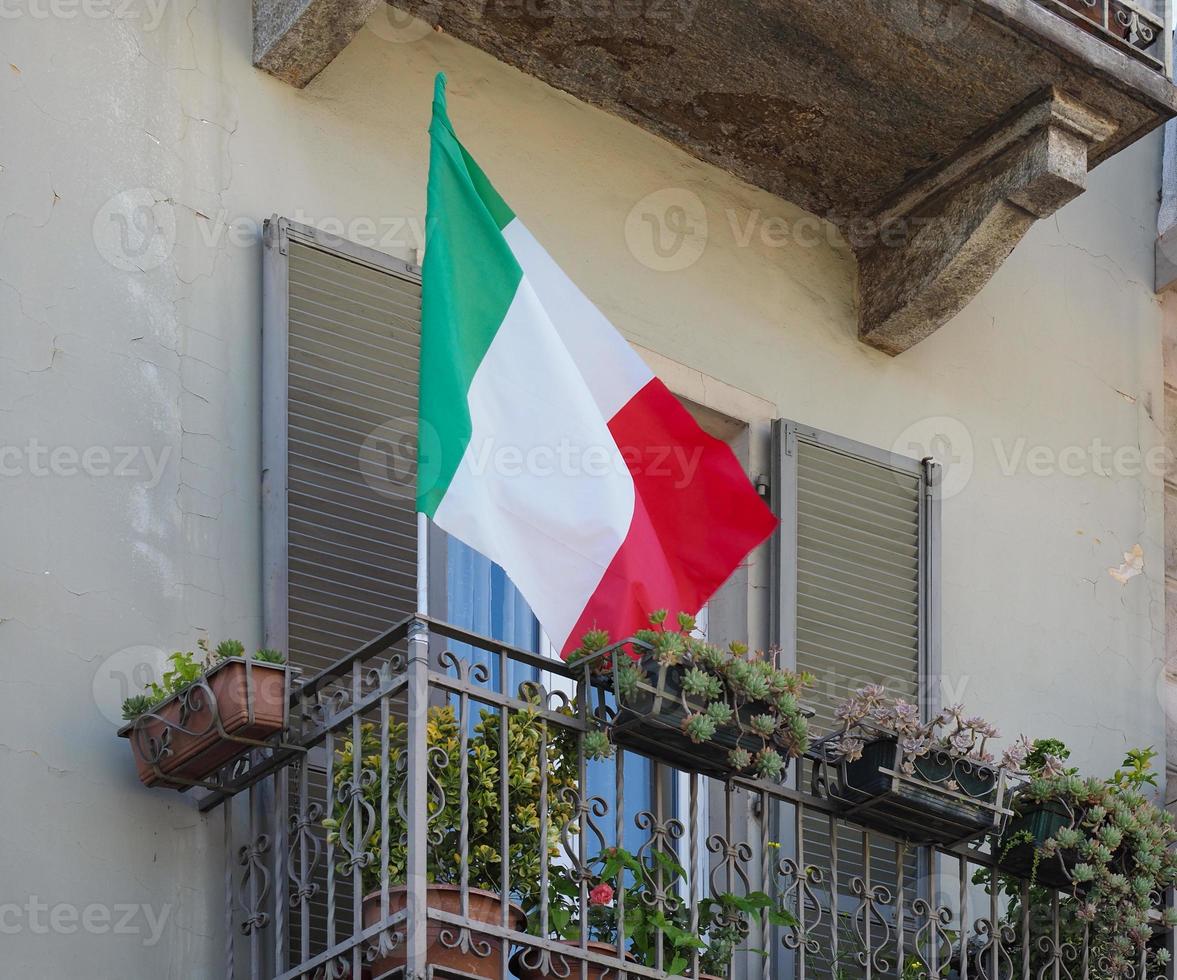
(147,336)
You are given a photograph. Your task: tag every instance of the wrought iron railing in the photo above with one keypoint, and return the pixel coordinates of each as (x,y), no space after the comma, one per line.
(330,851)
(1137,29)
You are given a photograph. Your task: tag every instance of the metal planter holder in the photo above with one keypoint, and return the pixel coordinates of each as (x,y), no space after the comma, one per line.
(1019,857)
(922,806)
(650,720)
(237,705)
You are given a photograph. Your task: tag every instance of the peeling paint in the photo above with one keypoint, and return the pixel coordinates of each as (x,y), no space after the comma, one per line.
(1132,565)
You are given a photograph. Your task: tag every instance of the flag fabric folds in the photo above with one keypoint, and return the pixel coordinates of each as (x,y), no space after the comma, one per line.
(545,441)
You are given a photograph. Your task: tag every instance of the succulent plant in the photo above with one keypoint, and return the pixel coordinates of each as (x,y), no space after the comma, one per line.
(699,728)
(185,669)
(699,683)
(769,764)
(869,714)
(597,745)
(1118,847)
(721,687)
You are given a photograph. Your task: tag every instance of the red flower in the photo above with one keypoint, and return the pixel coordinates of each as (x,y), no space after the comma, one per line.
(601,895)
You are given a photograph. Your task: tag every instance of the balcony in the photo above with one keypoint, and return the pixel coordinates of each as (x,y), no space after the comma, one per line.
(1137,30)
(931,133)
(329,850)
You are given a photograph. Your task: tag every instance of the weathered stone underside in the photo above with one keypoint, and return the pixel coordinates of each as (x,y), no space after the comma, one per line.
(294,40)
(933,132)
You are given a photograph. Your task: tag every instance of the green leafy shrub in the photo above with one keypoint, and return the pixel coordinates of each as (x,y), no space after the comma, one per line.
(650,925)
(525,734)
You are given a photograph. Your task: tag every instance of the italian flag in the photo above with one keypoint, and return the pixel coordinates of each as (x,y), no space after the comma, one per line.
(545,442)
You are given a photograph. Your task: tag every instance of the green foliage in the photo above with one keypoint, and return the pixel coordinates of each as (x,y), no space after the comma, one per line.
(1117,851)
(1136,771)
(652,926)
(740,759)
(136,705)
(769,764)
(762,724)
(597,745)
(629,678)
(699,683)
(720,688)
(229,648)
(1044,750)
(699,728)
(185,669)
(526,734)
(594,641)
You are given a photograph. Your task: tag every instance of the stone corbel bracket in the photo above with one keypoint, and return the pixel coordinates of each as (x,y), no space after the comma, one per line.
(294,40)
(929,252)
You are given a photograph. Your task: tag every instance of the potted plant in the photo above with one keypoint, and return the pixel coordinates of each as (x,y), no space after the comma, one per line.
(1113,852)
(646,924)
(694,705)
(1041,808)
(926,781)
(483,855)
(206,710)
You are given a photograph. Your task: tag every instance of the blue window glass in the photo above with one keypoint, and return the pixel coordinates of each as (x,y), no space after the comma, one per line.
(481,598)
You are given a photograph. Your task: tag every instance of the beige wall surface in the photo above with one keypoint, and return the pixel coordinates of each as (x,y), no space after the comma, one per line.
(138,340)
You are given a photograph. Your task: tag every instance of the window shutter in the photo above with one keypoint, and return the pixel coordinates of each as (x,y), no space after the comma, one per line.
(855,597)
(341,339)
(854,565)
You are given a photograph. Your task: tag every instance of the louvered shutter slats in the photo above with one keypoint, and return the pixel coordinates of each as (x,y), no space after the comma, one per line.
(353,342)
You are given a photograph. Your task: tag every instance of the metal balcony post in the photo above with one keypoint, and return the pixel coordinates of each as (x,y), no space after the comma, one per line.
(417,670)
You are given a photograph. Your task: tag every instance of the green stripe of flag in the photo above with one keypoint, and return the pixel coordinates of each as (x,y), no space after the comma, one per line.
(469,279)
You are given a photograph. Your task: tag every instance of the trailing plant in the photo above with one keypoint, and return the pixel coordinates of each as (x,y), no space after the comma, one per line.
(652,925)
(1116,848)
(1044,761)
(1109,899)
(186,668)
(869,715)
(526,735)
(719,688)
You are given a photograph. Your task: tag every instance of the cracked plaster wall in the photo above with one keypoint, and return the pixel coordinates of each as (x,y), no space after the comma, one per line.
(115,335)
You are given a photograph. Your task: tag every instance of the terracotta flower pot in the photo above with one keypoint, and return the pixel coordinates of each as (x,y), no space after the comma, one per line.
(484,907)
(195,747)
(569,969)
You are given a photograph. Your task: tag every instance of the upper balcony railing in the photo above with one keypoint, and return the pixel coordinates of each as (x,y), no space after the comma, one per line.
(1134,28)
(381,833)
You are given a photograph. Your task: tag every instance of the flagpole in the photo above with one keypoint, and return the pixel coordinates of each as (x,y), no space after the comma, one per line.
(422,564)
